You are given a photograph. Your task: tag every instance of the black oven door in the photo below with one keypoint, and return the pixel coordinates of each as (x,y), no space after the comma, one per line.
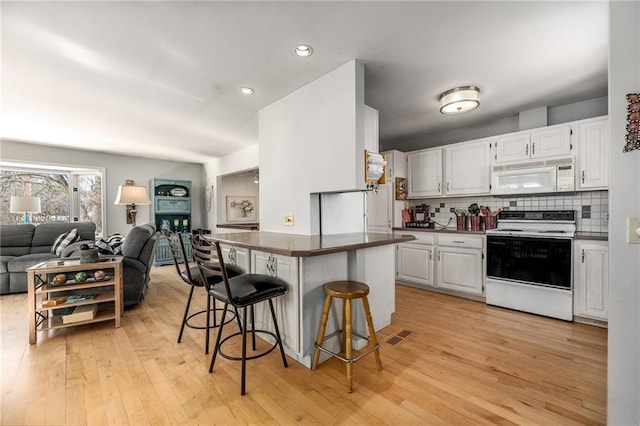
(532,260)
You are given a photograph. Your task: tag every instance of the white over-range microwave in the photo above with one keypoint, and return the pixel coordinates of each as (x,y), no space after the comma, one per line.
(533,178)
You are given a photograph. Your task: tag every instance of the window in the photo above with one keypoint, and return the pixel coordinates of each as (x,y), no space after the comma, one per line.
(67,194)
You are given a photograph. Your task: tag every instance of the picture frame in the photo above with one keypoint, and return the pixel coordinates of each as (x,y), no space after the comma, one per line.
(241,208)
(401,188)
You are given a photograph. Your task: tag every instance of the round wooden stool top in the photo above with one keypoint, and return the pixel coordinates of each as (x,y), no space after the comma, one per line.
(346,289)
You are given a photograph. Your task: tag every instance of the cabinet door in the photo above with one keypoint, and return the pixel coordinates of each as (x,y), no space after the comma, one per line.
(425,173)
(414,263)
(592,140)
(379,208)
(512,147)
(459,269)
(467,168)
(287,306)
(591,290)
(236,256)
(552,141)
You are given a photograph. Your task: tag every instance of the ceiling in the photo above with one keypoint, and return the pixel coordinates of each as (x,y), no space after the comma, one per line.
(162,79)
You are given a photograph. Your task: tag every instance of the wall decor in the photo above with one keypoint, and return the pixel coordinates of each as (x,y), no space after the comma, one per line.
(208,196)
(241,208)
(632,140)
(401,188)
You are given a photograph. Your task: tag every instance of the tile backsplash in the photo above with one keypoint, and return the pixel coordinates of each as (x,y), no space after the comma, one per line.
(592,208)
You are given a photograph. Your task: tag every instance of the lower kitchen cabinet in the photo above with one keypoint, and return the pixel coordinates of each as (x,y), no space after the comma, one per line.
(414,260)
(237,256)
(591,279)
(447,261)
(459,263)
(288,319)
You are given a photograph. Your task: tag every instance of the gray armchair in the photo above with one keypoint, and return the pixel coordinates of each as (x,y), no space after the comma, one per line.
(138,249)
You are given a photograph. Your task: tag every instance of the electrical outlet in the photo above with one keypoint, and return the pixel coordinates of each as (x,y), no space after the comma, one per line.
(288,220)
(633,230)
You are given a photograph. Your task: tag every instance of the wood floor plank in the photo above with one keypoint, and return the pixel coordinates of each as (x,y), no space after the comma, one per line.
(446,360)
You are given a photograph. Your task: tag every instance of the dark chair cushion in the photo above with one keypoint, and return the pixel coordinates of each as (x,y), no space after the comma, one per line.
(248,289)
(135,241)
(232,271)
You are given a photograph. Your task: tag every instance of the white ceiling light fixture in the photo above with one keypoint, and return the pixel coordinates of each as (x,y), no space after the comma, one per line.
(304,50)
(247,91)
(460,100)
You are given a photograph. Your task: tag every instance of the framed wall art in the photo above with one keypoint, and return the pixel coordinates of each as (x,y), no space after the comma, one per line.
(241,208)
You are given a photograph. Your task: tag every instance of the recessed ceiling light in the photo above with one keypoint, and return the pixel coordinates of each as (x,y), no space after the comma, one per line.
(247,90)
(304,50)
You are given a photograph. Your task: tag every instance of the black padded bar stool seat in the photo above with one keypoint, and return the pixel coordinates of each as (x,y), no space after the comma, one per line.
(240,292)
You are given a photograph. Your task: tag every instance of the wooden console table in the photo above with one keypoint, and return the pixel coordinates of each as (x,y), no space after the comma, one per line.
(41,288)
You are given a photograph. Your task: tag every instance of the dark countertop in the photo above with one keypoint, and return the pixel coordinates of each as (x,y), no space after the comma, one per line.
(439,230)
(601,236)
(295,245)
(247,226)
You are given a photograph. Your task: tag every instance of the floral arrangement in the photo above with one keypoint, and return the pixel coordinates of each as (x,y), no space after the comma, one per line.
(244,207)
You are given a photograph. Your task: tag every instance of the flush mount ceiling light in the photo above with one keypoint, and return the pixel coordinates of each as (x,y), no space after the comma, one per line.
(304,50)
(247,90)
(460,100)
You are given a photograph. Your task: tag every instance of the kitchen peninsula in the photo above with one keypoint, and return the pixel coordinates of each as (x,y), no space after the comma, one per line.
(306,263)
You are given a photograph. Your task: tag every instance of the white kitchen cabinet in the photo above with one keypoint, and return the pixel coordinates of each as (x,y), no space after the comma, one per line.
(459,264)
(415,260)
(512,147)
(552,141)
(425,173)
(288,319)
(379,209)
(545,142)
(237,256)
(592,140)
(468,168)
(591,282)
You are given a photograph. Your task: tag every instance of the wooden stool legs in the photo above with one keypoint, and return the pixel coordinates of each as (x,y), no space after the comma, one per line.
(347,332)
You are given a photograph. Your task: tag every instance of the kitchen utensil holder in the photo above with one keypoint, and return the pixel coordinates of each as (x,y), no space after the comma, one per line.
(490,222)
(475,223)
(461,222)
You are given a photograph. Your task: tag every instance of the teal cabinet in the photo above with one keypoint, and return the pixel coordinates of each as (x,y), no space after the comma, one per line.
(171,209)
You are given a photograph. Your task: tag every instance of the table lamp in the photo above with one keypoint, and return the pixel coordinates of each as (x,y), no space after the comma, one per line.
(24,205)
(130,195)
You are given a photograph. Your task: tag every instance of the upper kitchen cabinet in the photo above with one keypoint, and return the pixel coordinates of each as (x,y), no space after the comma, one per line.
(467,167)
(546,142)
(424,173)
(592,139)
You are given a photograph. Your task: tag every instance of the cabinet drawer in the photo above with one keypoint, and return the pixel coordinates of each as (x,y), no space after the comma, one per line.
(173,205)
(462,241)
(421,238)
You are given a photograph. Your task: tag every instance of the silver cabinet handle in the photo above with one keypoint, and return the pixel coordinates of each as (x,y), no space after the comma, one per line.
(533,148)
(438,186)
(430,251)
(526,149)
(458,242)
(582,255)
(582,176)
(447,186)
(438,256)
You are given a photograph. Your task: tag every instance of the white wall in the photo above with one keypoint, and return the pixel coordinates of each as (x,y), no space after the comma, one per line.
(118,169)
(237,185)
(245,159)
(623,406)
(311,141)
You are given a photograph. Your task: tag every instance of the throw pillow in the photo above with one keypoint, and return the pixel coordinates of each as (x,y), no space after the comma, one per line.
(112,245)
(64,240)
(115,242)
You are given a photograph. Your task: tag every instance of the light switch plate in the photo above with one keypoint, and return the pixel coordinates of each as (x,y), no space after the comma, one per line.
(288,220)
(633,230)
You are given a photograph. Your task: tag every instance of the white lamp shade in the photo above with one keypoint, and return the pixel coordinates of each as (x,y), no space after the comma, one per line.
(460,100)
(24,205)
(132,194)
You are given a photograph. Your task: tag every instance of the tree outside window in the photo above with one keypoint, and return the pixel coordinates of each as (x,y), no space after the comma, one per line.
(64,196)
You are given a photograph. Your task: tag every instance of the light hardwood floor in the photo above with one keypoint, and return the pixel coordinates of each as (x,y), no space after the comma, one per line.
(446,360)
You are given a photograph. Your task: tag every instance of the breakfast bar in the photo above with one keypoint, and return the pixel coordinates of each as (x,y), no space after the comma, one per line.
(306,263)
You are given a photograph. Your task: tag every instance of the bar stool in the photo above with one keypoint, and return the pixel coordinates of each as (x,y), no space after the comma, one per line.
(347,291)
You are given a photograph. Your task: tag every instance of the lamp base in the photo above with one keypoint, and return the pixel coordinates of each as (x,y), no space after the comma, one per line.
(26,217)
